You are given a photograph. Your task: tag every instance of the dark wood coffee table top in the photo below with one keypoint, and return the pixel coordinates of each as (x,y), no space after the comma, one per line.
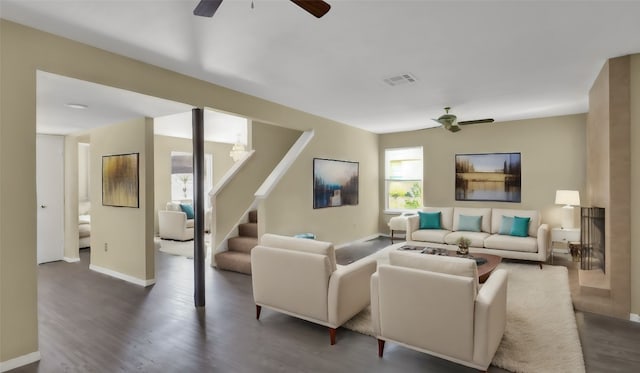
(484,270)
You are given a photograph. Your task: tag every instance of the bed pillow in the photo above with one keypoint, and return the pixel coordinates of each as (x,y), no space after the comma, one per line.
(505,225)
(520,227)
(429,220)
(187,209)
(470,223)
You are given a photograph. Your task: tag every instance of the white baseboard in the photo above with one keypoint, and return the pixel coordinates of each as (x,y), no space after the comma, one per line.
(71,260)
(360,240)
(634,317)
(122,276)
(19,361)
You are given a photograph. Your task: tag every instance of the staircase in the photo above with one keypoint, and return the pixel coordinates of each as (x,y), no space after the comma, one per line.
(238,258)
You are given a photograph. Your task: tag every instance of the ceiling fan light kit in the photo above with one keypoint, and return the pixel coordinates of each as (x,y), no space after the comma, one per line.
(450,121)
(318,8)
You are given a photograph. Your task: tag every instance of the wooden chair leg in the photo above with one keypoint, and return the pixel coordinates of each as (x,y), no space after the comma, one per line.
(332,335)
(540,265)
(258,309)
(380,347)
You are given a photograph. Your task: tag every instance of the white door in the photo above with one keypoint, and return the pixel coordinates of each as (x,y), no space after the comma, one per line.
(50,189)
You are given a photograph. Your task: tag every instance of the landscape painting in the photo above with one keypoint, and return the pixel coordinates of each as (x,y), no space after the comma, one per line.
(335,183)
(488,177)
(120,183)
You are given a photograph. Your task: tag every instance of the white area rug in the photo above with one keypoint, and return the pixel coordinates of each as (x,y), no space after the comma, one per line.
(179,248)
(541,333)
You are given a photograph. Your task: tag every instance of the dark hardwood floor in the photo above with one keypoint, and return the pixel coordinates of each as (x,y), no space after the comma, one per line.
(90,322)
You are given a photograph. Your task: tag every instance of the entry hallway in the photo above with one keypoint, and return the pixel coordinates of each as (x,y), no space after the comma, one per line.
(90,322)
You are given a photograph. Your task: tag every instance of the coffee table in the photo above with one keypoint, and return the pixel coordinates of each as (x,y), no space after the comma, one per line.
(484,270)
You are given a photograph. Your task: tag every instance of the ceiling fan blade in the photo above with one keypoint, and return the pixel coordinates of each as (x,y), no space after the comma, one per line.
(316,7)
(477,121)
(207,8)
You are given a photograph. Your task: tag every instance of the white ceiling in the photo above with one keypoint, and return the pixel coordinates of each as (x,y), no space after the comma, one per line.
(108,105)
(105,105)
(502,59)
(218,127)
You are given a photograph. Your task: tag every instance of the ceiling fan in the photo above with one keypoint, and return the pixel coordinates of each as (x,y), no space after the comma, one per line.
(450,121)
(318,8)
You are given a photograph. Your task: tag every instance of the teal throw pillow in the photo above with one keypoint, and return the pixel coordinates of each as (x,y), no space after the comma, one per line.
(520,226)
(505,225)
(187,209)
(429,220)
(470,223)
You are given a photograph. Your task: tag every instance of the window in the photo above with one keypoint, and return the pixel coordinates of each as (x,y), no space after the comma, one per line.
(403,178)
(182,176)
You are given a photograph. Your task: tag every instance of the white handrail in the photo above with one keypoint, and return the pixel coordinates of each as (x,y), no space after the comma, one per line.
(230,174)
(287,161)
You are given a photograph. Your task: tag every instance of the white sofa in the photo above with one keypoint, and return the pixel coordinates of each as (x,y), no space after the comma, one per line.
(535,246)
(432,304)
(299,277)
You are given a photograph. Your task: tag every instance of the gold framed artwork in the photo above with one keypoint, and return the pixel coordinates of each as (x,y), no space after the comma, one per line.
(120,180)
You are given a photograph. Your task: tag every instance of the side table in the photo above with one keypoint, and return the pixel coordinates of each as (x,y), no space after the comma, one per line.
(575,248)
(563,236)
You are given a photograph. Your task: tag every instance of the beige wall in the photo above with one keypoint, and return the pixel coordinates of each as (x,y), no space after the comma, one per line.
(609,184)
(598,141)
(72,175)
(18,282)
(552,149)
(635,183)
(128,232)
(23,51)
(83,151)
(270,143)
(163,147)
(289,209)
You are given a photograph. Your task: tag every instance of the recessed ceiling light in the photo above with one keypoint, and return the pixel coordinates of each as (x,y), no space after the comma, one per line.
(77,106)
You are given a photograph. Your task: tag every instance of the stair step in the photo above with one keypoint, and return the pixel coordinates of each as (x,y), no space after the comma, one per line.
(248,230)
(253,216)
(234,261)
(242,244)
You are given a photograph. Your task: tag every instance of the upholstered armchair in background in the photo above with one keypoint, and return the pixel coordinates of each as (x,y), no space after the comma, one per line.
(299,277)
(174,224)
(432,304)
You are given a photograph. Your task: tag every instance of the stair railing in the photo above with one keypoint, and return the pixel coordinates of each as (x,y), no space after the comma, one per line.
(287,161)
(263,191)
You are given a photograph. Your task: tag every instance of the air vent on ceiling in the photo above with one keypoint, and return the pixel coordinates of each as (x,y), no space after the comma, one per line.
(400,79)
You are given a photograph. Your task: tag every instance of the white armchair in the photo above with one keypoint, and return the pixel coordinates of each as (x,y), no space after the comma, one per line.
(432,304)
(299,277)
(173,223)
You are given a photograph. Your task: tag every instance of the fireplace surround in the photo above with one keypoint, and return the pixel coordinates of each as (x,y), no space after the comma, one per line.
(592,238)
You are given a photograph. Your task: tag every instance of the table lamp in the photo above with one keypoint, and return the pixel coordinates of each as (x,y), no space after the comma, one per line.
(568,198)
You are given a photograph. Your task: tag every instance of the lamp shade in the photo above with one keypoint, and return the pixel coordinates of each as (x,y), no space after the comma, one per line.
(568,197)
